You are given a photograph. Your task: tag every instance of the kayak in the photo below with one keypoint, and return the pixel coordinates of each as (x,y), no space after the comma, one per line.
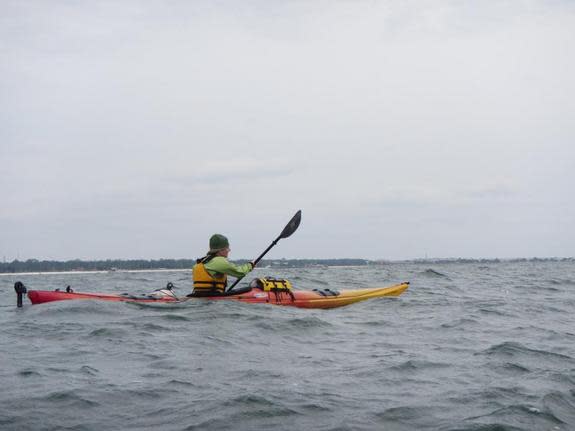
(317,298)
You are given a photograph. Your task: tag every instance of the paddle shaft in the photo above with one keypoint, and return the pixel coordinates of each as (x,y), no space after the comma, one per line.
(288,230)
(266,250)
(258,259)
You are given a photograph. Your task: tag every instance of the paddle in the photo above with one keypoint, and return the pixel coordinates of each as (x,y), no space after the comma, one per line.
(290,228)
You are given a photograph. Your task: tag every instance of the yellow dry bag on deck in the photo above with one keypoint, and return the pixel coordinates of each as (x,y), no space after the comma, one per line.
(269,284)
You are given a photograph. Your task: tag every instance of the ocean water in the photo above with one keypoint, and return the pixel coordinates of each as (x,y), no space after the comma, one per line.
(479,347)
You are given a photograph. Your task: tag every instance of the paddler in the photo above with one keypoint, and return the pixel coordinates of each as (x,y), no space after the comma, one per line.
(210,273)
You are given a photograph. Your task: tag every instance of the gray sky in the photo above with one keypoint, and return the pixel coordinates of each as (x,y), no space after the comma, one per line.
(402,129)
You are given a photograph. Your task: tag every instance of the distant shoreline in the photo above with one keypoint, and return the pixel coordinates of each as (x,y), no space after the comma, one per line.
(94,272)
(37,267)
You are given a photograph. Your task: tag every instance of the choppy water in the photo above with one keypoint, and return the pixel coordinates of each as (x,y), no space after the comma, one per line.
(467,347)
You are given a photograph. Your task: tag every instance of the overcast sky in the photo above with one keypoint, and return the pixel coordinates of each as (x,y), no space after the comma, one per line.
(402,129)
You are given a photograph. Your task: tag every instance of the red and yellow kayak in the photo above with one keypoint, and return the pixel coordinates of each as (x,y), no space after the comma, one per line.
(325,298)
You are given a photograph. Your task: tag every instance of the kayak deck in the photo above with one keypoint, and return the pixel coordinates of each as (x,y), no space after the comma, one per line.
(315,299)
(42,296)
(296,298)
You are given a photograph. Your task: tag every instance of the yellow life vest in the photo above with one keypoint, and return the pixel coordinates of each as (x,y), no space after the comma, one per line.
(205,283)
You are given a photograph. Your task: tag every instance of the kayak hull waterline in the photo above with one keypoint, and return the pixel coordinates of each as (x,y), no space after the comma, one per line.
(294,298)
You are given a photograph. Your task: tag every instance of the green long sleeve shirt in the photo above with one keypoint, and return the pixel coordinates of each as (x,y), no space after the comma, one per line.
(221,265)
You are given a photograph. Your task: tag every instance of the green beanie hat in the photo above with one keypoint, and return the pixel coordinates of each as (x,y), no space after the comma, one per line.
(218,242)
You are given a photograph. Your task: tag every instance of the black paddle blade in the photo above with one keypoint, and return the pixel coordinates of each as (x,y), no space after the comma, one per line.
(292,226)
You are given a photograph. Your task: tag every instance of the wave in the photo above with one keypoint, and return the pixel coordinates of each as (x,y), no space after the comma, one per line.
(513,349)
(175,318)
(90,371)
(416,365)
(108,333)
(561,406)
(486,427)
(245,410)
(523,414)
(463,321)
(180,383)
(137,279)
(489,309)
(432,273)
(413,416)
(514,369)
(152,327)
(68,399)
(308,322)
(561,281)
(144,394)
(29,373)
(256,405)
(83,307)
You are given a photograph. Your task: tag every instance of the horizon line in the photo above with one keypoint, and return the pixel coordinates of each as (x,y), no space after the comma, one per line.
(418,259)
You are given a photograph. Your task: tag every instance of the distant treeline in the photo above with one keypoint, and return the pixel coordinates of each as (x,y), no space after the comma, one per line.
(34,265)
(495,260)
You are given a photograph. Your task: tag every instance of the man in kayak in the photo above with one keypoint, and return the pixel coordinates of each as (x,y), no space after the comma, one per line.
(210,273)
